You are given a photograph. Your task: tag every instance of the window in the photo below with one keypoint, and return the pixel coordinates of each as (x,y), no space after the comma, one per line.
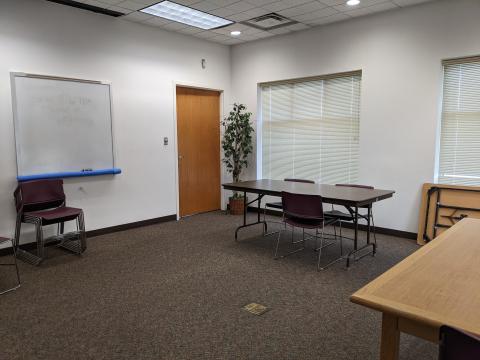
(310,129)
(459,159)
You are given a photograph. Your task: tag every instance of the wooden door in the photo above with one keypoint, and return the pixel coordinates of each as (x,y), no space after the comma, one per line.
(198,134)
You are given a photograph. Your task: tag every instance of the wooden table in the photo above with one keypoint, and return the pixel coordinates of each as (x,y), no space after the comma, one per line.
(437,285)
(339,195)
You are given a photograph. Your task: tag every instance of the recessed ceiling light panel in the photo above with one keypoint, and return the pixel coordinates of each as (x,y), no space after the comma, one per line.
(185,15)
(235,33)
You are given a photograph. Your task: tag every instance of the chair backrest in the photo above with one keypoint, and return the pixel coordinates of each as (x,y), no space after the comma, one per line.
(357,186)
(39,195)
(458,345)
(302,206)
(300,180)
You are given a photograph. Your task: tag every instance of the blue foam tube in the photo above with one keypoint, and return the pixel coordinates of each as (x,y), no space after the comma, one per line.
(68,174)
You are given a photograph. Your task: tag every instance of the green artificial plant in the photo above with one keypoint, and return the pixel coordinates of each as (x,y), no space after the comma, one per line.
(237,141)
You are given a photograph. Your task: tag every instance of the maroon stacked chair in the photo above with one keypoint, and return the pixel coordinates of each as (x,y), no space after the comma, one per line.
(306,212)
(350,216)
(278,204)
(458,345)
(42,202)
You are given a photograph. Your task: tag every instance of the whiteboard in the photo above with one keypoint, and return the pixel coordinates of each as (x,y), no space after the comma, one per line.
(61,125)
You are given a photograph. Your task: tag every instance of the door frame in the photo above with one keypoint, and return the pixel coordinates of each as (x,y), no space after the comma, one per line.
(175,129)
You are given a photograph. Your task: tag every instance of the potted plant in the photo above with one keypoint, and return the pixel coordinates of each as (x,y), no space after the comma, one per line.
(237,145)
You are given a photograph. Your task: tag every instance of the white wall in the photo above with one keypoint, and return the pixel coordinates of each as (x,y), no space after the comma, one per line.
(400,53)
(142,63)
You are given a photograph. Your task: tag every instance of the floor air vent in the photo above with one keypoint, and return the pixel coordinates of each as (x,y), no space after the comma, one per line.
(269,21)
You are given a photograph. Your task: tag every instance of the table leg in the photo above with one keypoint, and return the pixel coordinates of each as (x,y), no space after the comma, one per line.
(369,230)
(259,209)
(245,208)
(390,342)
(355,238)
(369,213)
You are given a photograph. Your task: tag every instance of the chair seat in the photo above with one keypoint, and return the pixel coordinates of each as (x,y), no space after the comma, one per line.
(55,216)
(275,205)
(338,215)
(304,223)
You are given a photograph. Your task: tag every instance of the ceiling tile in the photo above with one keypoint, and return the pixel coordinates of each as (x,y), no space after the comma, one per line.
(332,2)
(328,11)
(119,9)
(302,9)
(137,16)
(222,3)
(249,14)
(174,26)
(107,2)
(205,34)
(131,5)
(372,9)
(330,19)
(284,4)
(156,21)
(409,2)
(190,30)
(364,3)
(204,6)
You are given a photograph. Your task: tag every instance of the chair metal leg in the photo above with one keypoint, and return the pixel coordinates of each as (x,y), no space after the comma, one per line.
(40,242)
(83,235)
(293,242)
(18,225)
(319,250)
(16,269)
(15,261)
(265,221)
(276,247)
(321,268)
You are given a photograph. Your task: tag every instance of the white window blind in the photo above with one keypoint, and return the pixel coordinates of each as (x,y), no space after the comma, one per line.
(310,129)
(460,128)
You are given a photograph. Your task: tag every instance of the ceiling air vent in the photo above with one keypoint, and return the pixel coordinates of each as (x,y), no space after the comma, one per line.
(269,21)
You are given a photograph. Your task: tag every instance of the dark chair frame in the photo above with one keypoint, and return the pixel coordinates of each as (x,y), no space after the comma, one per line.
(458,345)
(4,240)
(33,200)
(306,212)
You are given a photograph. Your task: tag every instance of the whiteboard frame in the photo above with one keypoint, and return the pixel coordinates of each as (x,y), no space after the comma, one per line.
(14,74)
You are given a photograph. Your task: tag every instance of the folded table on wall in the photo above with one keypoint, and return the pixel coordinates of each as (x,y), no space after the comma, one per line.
(443,206)
(63,127)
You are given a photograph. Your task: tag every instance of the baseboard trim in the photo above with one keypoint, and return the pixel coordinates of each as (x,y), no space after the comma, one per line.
(103,231)
(128,226)
(379,230)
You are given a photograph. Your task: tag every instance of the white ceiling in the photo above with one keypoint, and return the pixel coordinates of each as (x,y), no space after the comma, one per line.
(308,13)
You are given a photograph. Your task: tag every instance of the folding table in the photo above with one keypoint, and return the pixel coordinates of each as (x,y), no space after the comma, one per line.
(337,195)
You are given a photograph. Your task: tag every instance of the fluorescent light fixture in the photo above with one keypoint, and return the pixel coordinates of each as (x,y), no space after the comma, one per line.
(185,15)
(235,33)
(353,2)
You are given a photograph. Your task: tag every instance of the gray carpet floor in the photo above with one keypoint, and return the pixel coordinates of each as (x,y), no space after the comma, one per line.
(176,291)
